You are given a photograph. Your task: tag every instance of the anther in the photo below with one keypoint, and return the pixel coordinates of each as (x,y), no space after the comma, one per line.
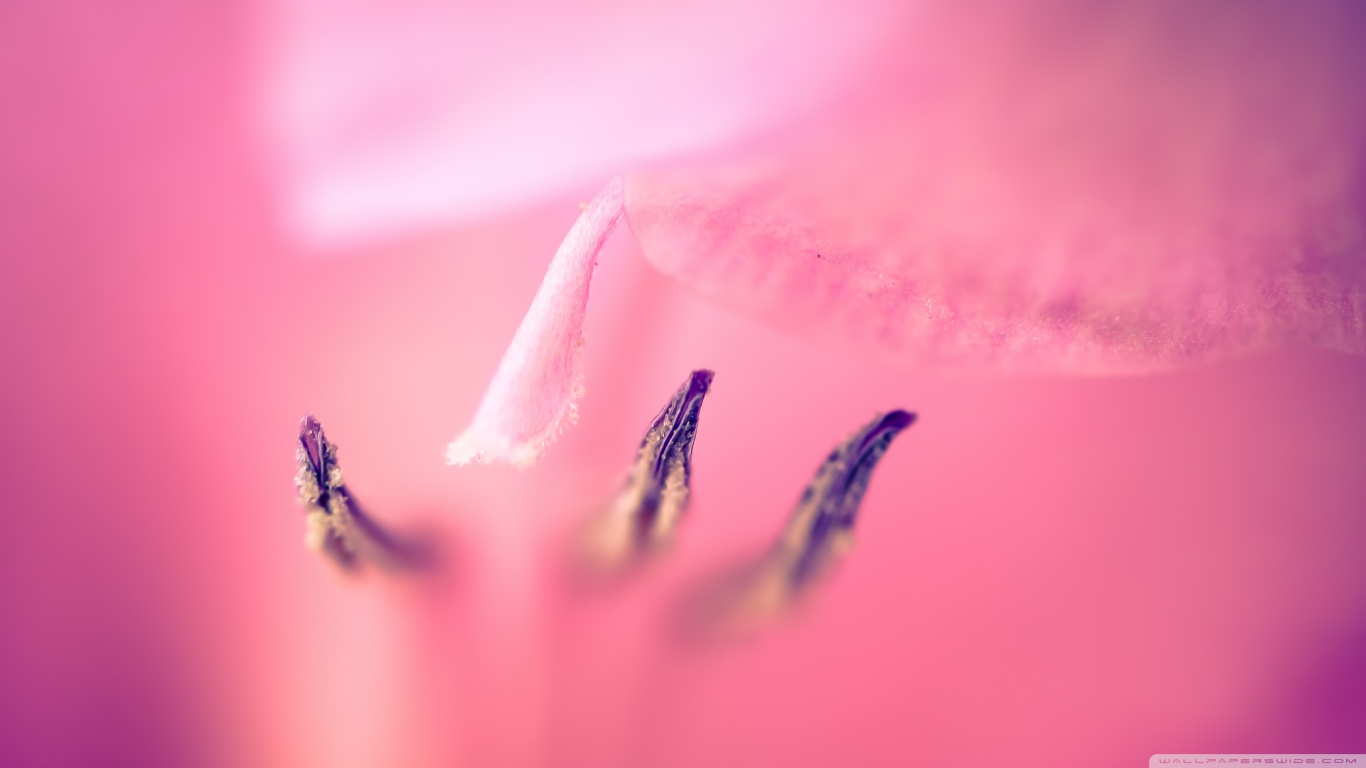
(336,525)
(644,515)
(817,534)
(822,526)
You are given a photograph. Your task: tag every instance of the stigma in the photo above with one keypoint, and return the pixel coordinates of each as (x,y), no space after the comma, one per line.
(534,393)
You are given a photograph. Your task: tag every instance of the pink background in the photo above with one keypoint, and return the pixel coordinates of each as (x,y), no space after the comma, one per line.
(1060,571)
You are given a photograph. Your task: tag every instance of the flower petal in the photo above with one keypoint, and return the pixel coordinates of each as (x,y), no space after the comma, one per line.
(534,393)
(1070,186)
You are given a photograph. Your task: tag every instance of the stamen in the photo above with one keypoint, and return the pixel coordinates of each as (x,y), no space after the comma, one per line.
(822,526)
(819,531)
(644,515)
(535,392)
(337,526)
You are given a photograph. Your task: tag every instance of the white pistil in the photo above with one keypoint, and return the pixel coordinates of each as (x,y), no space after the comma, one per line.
(535,391)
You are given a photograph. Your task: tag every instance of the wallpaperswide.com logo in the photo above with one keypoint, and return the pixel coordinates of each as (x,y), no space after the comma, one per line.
(1177,761)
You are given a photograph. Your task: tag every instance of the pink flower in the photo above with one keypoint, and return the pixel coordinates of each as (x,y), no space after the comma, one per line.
(1047,570)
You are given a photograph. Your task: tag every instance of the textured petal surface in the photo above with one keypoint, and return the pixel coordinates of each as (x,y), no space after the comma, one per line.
(540,379)
(1074,186)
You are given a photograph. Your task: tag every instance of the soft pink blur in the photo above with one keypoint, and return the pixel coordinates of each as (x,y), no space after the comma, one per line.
(1049,571)
(389,116)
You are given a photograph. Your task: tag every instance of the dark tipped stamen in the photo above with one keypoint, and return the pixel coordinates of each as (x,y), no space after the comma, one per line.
(824,519)
(337,526)
(646,512)
(819,531)
(667,447)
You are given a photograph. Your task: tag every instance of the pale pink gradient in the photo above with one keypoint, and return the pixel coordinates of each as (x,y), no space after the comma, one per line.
(393,116)
(1050,571)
